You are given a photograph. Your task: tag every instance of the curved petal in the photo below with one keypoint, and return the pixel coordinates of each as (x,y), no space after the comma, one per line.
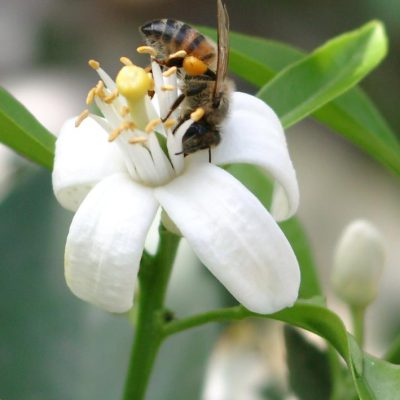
(234,236)
(253,134)
(106,241)
(83,157)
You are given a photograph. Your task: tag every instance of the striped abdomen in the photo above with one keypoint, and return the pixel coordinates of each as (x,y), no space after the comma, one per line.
(168,36)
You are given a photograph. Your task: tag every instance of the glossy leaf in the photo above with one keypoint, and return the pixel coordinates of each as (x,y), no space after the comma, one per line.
(21,131)
(258,183)
(353,114)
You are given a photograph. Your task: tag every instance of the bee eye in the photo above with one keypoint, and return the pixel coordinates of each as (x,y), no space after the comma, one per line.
(193,66)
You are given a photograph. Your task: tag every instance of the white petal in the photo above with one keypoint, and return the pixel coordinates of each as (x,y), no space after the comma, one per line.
(106,240)
(253,134)
(234,236)
(83,157)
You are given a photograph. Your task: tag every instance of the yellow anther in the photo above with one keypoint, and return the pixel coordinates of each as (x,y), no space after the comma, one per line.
(167,87)
(90,96)
(170,71)
(197,114)
(94,64)
(84,114)
(99,89)
(117,131)
(147,50)
(137,139)
(111,97)
(169,123)
(126,61)
(178,54)
(124,111)
(152,124)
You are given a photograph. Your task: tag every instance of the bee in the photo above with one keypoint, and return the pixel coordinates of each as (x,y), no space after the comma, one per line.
(202,66)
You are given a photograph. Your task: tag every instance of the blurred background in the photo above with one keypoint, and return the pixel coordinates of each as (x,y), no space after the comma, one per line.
(54,346)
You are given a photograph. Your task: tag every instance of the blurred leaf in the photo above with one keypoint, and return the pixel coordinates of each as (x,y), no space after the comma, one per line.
(259,184)
(327,72)
(393,354)
(308,367)
(352,114)
(21,131)
(374,379)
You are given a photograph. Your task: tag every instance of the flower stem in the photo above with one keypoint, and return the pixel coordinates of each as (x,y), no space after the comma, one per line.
(358,314)
(151,315)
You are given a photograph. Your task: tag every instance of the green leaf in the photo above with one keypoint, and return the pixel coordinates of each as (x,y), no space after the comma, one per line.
(327,72)
(353,114)
(21,131)
(308,367)
(259,184)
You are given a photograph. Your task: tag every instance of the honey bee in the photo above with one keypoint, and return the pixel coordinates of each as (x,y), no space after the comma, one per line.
(202,66)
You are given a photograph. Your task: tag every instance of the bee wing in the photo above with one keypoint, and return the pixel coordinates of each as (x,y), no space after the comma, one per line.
(223,48)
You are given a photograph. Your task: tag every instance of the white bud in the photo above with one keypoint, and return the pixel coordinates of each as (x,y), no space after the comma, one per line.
(358,264)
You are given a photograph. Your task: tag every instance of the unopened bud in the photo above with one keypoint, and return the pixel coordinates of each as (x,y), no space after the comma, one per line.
(358,264)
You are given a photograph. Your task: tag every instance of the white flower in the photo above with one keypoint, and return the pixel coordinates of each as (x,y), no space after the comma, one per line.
(116,188)
(358,263)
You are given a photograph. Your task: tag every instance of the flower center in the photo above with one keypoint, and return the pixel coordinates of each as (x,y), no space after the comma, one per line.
(133,108)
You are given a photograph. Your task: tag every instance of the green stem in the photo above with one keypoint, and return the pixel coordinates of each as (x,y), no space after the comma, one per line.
(358,314)
(393,354)
(151,315)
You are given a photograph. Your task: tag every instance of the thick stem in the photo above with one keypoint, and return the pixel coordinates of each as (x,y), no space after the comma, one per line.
(358,314)
(151,315)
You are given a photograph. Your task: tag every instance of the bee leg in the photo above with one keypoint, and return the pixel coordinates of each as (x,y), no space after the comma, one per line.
(209,155)
(178,125)
(174,106)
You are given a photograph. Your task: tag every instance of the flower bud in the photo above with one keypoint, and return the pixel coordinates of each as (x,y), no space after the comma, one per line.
(358,264)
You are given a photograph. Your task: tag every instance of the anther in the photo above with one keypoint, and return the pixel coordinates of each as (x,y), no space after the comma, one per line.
(126,61)
(152,124)
(90,96)
(137,139)
(117,131)
(169,123)
(84,114)
(99,89)
(94,64)
(197,114)
(124,111)
(167,87)
(111,97)
(178,54)
(146,50)
(170,71)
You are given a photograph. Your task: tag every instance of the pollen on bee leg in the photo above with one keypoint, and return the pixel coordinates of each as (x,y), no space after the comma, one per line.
(94,64)
(84,114)
(117,131)
(152,124)
(170,71)
(147,50)
(90,96)
(166,88)
(178,54)
(137,139)
(126,61)
(111,97)
(197,114)
(169,123)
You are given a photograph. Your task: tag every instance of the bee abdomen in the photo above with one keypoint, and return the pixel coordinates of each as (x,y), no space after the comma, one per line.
(169,35)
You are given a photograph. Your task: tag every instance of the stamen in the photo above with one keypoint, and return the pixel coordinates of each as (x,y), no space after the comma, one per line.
(168,87)
(178,54)
(169,123)
(126,61)
(94,64)
(170,71)
(152,124)
(90,96)
(124,111)
(99,89)
(152,84)
(146,50)
(138,139)
(110,98)
(84,114)
(117,131)
(197,114)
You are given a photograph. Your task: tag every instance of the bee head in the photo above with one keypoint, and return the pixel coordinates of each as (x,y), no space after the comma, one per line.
(199,136)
